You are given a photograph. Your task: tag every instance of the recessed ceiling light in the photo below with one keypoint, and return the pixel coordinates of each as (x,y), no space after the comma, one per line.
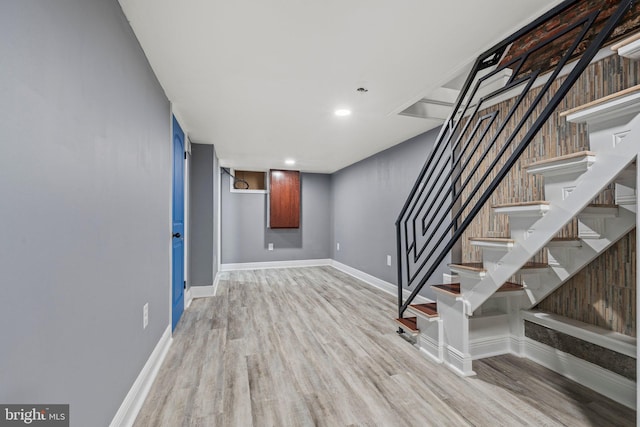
(289,162)
(342,112)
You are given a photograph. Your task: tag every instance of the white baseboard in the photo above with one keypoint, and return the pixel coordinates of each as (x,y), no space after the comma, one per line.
(132,403)
(188,297)
(490,346)
(518,346)
(202,291)
(358,274)
(605,382)
(458,362)
(275,264)
(385,286)
(199,292)
(430,348)
(216,282)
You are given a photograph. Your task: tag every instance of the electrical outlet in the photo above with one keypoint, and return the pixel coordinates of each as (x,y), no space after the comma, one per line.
(337,246)
(389,260)
(145,316)
(270,246)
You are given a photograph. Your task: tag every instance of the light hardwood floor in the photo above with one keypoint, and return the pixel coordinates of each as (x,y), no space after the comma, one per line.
(314,346)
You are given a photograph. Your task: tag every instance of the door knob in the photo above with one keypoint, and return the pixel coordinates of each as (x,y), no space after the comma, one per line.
(178,235)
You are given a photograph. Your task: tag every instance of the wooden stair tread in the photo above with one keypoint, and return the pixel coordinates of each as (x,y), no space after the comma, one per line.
(560,158)
(409,323)
(602,100)
(449,288)
(627,40)
(491,239)
(429,309)
(470,266)
(454,288)
(533,203)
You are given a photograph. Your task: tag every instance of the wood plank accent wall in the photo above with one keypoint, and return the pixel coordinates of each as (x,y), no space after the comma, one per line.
(284,199)
(610,299)
(603,293)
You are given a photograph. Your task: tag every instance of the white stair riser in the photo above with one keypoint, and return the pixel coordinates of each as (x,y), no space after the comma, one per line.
(492,255)
(467,278)
(608,139)
(455,336)
(429,339)
(591,228)
(592,221)
(626,197)
(628,177)
(520,226)
(608,118)
(558,188)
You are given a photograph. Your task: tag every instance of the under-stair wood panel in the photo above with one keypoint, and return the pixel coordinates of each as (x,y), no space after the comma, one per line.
(612,160)
(556,138)
(603,293)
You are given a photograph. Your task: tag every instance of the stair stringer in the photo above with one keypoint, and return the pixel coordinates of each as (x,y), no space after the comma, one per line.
(564,263)
(609,163)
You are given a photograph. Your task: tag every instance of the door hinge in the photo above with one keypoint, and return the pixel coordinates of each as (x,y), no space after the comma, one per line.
(185,155)
(185,284)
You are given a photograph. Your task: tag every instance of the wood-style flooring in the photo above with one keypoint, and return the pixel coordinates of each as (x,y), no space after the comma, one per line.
(314,346)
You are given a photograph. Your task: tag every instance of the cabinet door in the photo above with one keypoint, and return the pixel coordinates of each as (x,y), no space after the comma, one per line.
(284,199)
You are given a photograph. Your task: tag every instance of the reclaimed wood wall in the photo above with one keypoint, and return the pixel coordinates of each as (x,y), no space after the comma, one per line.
(602,294)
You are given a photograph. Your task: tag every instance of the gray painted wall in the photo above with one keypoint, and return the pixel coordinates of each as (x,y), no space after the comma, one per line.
(201,215)
(367,197)
(85,190)
(245,236)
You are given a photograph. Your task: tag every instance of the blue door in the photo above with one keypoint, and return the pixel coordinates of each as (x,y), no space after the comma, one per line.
(177,282)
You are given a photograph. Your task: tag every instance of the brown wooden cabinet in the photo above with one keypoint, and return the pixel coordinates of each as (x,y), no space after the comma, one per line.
(284,199)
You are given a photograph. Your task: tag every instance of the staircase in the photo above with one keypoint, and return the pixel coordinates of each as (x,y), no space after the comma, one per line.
(483,312)
(481,315)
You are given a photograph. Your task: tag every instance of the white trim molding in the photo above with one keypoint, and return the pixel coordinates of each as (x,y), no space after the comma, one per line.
(275,264)
(481,348)
(216,282)
(202,291)
(188,297)
(132,403)
(383,285)
(631,50)
(458,362)
(605,382)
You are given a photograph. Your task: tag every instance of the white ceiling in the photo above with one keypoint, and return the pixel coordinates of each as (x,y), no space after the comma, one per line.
(261,79)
